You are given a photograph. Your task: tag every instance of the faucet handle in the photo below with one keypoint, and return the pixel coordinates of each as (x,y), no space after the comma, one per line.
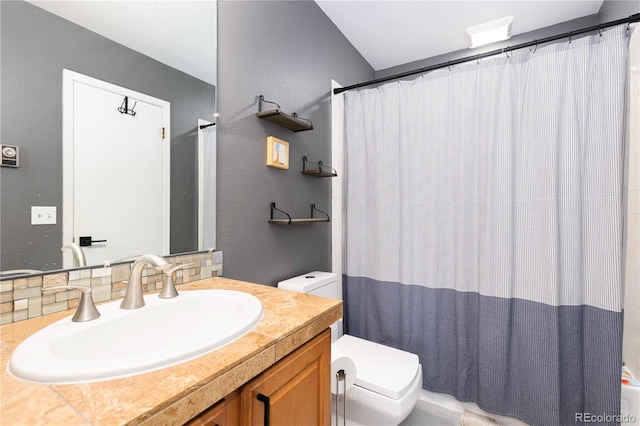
(87,310)
(169,287)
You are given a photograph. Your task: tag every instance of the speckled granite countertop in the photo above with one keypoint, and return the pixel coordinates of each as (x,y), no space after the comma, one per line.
(175,394)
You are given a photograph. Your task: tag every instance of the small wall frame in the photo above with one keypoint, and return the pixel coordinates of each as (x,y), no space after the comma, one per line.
(277,153)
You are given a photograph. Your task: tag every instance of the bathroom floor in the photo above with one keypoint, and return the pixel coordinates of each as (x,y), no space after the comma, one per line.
(430,414)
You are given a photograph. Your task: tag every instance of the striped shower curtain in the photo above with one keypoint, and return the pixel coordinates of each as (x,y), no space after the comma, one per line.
(483,227)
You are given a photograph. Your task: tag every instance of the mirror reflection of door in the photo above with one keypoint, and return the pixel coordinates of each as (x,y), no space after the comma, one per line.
(117,187)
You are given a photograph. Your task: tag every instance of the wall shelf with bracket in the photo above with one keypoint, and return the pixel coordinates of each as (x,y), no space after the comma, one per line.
(290,221)
(319,171)
(291,122)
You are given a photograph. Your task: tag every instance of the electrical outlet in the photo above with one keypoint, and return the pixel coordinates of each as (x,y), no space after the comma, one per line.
(43,215)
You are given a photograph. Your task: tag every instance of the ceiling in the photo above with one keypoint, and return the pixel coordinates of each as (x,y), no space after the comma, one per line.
(390,33)
(181,34)
(386,33)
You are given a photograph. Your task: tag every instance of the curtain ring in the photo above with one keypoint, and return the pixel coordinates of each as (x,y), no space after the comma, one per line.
(628,26)
(600,30)
(569,34)
(478,59)
(449,66)
(535,47)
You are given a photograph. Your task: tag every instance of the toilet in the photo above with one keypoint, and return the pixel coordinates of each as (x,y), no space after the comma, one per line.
(388,380)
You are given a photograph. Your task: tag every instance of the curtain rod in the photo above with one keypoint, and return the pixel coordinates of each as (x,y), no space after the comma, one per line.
(629,20)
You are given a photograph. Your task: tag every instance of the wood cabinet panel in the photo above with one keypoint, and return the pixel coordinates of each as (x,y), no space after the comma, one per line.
(293,392)
(223,413)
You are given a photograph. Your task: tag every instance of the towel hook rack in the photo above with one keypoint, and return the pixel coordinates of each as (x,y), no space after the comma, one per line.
(124,108)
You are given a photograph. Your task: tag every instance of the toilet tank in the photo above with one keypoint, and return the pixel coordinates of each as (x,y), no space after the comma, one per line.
(318,283)
(323,284)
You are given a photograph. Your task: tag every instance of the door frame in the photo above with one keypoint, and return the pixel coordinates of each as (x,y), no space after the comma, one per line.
(211,183)
(69,78)
(337,161)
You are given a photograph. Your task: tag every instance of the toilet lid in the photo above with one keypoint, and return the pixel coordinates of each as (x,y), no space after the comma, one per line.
(381,369)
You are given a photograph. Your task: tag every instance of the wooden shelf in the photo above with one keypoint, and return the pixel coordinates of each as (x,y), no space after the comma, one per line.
(319,174)
(290,221)
(285,120)
(321,170)
(296,221)
(291,122)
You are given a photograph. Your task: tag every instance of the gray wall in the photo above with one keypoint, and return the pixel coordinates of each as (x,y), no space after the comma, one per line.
(36,46)
(287,51)
(616,9)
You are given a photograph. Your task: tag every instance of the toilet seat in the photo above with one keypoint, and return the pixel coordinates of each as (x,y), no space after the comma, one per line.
(373,360)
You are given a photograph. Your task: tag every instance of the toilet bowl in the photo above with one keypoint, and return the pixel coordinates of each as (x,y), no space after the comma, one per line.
(388,380)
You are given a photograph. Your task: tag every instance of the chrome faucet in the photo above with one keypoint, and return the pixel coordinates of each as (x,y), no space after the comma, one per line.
(134,299)
(79,260)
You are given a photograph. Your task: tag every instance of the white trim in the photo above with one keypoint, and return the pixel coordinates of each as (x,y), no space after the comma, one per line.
(207,156)
(68,79)
(337,161)
(201,184)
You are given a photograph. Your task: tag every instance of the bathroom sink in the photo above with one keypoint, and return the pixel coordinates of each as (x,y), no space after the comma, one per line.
(123,342)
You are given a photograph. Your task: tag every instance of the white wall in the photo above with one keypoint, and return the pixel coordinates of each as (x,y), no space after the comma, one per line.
(631,338)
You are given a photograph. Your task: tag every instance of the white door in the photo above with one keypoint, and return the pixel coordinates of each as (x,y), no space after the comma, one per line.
(119,180)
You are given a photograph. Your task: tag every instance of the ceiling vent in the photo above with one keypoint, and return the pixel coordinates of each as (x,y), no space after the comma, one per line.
(489,32)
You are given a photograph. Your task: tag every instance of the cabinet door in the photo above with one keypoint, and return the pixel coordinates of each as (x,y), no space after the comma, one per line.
(295,391)
(223,413)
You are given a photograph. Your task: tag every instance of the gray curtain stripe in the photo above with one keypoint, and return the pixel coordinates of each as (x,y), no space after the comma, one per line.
(539,363)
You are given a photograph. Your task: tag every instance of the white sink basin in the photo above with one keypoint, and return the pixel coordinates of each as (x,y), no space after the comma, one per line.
(124,343)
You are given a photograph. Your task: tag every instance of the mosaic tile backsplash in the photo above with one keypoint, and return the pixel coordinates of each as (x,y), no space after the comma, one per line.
(24,298)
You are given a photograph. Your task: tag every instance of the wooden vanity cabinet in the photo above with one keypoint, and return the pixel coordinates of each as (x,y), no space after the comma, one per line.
(295,391)
(223,413)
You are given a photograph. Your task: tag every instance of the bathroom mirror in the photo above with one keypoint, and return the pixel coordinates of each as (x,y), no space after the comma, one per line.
(166,50)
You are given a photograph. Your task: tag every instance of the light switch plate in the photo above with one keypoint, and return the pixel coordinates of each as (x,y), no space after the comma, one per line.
(41,215)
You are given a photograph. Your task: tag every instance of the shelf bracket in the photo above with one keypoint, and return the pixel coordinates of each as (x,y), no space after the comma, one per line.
(313,208)
(261,99)
(273,207)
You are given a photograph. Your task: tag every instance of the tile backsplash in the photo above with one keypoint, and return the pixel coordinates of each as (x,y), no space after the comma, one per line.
(24,298)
